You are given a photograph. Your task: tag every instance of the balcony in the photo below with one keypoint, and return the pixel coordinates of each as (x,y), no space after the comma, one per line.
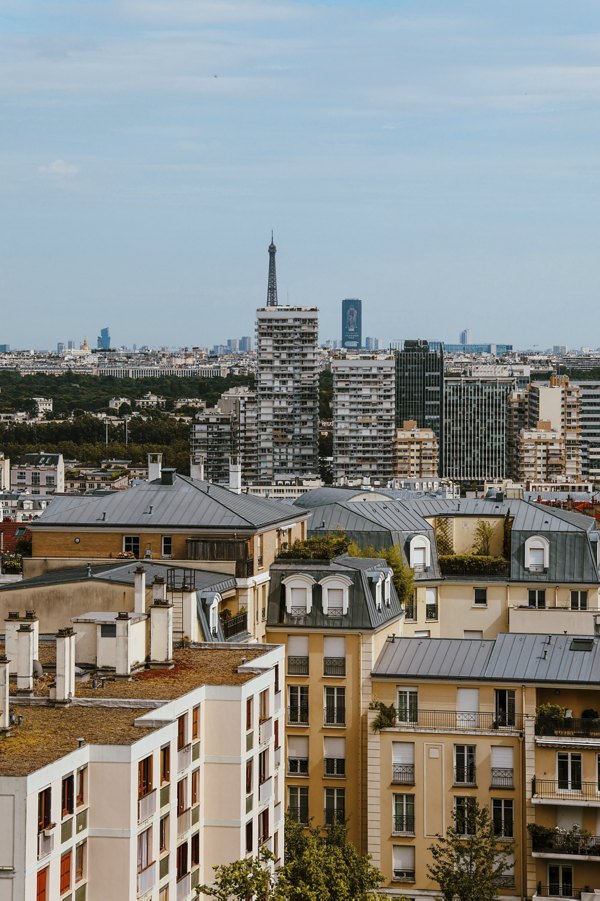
(45,843)
(234,625)
(403,774)
(297,666)
(184,758)
(184,887)
(265,732)
(568,792)
(502,777)
(334,666)
(265,791)
(551,892)
(403,824)
(147,806)
(555,842)
(335,766)
(146,879)
(458,721)
(568,727)
(298,716)
(184,821)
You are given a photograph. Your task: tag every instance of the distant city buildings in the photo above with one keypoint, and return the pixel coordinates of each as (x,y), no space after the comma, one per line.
(103,340)
(465,336)
(38,473)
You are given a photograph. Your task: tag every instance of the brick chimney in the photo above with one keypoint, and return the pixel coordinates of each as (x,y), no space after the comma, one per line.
(65,665)
(139,603)
(25,641)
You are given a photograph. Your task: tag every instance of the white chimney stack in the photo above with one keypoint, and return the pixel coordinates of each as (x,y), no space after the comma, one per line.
(159,590)
(4,695)
(11,627)
(25,639)
(154,466)
(65,665)
(235,476)
(197,467)
(139,604)
(161,633)
(123,653)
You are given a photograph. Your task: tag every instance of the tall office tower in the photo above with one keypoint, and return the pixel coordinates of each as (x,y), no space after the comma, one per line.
(233,345)
(476,427)
(352,323)
(103,340)
(559,404)
(420,387)
(364,417)
(60,347)
(465,336)
(70,344)
(272,280)
(246,344)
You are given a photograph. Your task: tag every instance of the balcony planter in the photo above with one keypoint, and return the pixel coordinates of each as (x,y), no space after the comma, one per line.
(386,716)
(549,718)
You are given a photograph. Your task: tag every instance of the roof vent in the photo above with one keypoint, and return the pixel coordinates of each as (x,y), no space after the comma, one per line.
(167,476)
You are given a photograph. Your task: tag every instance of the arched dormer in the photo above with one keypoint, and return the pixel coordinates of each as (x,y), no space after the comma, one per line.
(336,595)
(419,553)
(298,594)
(537,554)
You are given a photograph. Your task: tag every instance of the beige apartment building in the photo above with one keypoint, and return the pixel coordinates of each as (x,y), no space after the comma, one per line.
(416,453)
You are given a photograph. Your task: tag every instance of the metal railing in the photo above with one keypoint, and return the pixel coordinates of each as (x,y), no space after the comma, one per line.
(235,625)
(299,814)
(403,876)
(404,823)
(334,715)
(403,773)
(431,611)
(565,790)
(298,716)
(557,891)
(334,666)
(568,726)
(334,815)
(566,843)
(502,777)
(335,766)
(146,879)
(147,806)
(297,766)
(505,880)
(462,720)
(465,775)
(297,666)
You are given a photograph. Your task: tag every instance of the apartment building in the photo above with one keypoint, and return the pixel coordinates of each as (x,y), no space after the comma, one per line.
(472,721)
(364,414)
(225,432)
(541,454)
(38,473)
(590,429)
(415,452)
(333,618)
(420,386)
(559,403)
(137,780)
(287,392)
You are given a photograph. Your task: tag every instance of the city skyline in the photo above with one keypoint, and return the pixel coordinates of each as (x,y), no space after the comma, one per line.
(430,162)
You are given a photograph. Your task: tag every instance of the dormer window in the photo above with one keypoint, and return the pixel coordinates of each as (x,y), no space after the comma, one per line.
(387,589)
(377,578)
(420,553)
(298,594)
(537,554)
(336,591)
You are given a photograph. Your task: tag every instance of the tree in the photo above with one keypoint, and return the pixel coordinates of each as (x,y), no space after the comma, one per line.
(402,575)
(251,877)
(468,861)
(318,547)
(483,538)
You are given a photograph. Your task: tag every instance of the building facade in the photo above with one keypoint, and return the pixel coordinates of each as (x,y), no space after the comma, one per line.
(38,473)
(420,387)
(352,323)
(415,452)
(476,427)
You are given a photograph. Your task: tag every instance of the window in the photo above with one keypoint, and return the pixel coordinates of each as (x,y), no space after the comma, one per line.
(335,806)
(50,481)
(35,478)
(505,704)
(167,546)
(249,837)
(334,656)
(249,714)
(145,777)
(407,705)
(165,764)
(263,766)
(163,833)
(80,861)
(298,706)
(297,755)
(537,598)
(263,826)
(410,607)
(276,678)
(182,732)
(403,763)
(297,655)
(144,850)
(42,885)
(276,741)
(404,814)
(403,863)
(502,767)
(465,815)
(537,554)
(195,787)
(569,770)
(298,594)
(196,722)
(131,545)
(44,812)
(579,600)
(249,775)
(195,849)
(480,597)
(181,795)
(431,603)
(67,799)
(335,706)
(21,476)
(65,871)
(560,880)
(464,765)
(163,894)
(298,803)
(259,549)
(182,861)
(503,817)
(335,594)
(335,756)
(263,706)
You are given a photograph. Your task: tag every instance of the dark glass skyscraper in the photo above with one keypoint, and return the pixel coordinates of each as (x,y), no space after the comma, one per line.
(420,387)
(352,323)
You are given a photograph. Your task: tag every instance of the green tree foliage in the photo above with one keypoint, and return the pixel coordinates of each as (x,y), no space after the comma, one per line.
(325,394)
(469,867)
(318,547)
(483,538)
(403,576)
(506,535)
(251,878)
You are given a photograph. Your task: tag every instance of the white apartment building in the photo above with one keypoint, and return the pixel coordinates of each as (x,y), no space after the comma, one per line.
(136,783)
(416,452)
(287,390)
(364,417)
(38,473)
(559,403)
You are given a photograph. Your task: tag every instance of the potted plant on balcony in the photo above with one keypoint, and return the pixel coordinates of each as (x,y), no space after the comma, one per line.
(549,718)
(589,720)
(386,716)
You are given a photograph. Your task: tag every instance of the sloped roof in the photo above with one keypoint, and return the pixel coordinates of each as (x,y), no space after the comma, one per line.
(187,503)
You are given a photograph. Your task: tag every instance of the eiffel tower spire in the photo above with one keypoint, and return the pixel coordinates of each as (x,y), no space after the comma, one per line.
(272,284)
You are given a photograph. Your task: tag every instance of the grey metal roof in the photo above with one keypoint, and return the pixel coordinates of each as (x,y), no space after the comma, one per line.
(38,459)
(511,657)
(186,503)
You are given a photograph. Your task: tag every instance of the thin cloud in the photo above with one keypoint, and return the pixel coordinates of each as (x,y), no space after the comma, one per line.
(58,170)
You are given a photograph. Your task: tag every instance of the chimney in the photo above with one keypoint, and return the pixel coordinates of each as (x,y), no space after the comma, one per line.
(123,654)
(25,639)
(154,466)
(159,590)
(4,695)
(161,633)
(235,475)
(31,618)
(11,627)
(65,665)
(167,476)
(139,603)
(197,467)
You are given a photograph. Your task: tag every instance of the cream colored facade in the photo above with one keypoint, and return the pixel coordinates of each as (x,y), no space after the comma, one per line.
(416,452)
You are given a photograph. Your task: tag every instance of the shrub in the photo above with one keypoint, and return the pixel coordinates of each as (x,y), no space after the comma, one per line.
(472,564)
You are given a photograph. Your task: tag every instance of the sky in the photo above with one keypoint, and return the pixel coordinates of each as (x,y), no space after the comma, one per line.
(438,160)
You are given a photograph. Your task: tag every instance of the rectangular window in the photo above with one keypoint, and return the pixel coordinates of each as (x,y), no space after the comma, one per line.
(81,786)
(263,706)
(167,546)
(298,804)
(145,777)
(195,787)
(503,817)
(404,814)
(163,834)
(480,597)
(403,863)
(334,656)
(144,850)
(249,837)
(182,861)
(181,795)
(182,732)
(263,767)
(276,741)
(249,776)
(505,707)
(407,705)
(297,755)
(42,885)
(65,871)
(44,812)
(335,806)
(502,767)
(276,674)
(195,849)
(163,894)
(335,756)
(464,809)
(297,655)
(249,714)
(560,880)
(196,722)
(403,763)
(579,600)
(537,598)
(569,770)
(464,765)
(431,603)
(165,764)
(263,826)
(131,545)
(68,800)
(335,705)
(298,705)
(35,478)
(80,861)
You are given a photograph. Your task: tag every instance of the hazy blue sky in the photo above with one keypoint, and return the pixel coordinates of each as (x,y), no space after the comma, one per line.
(440,160)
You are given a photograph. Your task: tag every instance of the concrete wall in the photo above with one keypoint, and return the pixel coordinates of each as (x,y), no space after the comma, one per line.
(55,606)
